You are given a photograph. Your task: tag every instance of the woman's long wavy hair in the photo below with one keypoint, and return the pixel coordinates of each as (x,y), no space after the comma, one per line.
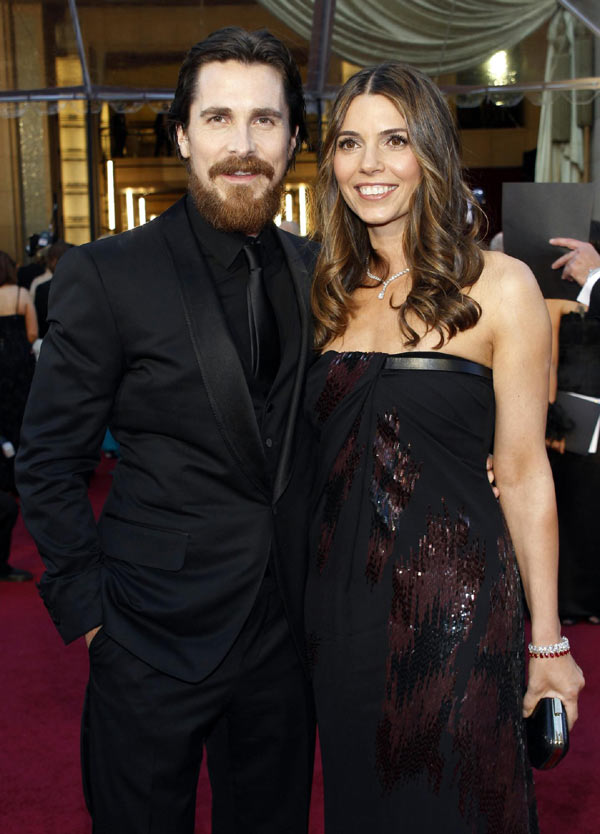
(8,270)
(442,227)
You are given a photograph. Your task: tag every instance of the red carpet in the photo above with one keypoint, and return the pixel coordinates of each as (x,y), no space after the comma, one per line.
(41,692)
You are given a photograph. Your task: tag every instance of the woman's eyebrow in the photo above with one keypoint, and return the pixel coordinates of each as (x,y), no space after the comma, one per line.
(389,132)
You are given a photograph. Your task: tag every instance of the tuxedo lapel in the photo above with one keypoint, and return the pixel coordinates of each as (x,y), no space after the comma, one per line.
(301,282)
(215,352)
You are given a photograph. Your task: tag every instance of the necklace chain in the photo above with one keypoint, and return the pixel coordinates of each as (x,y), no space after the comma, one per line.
(387,281)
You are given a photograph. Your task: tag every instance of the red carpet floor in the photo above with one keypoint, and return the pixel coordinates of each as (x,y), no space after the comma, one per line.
(41,692)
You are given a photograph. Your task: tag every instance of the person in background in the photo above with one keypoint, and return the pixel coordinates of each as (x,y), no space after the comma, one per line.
(40,288)
(594,307)
(118,134)
(162,142)
(580,264)
(558,423)
(576,368)
(9,512)
(43,277)
(26,273)
(18,332)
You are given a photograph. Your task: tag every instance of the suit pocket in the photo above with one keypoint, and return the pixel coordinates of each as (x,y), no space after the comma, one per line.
(141,544)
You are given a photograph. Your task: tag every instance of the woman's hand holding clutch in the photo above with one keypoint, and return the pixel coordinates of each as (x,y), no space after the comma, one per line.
(554,677)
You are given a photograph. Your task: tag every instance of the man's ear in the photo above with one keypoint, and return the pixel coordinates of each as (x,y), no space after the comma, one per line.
(182,141)
(292,143)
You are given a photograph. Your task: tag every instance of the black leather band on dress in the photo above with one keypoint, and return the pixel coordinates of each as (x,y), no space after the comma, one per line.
(437,363)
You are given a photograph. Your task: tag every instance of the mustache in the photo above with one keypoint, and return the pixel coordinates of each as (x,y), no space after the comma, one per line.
(249,165)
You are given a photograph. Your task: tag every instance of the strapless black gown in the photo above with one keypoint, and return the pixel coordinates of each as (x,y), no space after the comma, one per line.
(414,605)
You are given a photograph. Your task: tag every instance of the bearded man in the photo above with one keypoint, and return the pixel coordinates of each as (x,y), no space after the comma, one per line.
(189,336)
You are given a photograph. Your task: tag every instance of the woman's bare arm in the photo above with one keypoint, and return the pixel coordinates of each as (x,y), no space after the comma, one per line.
(521,364)
(555,310)
(27,308)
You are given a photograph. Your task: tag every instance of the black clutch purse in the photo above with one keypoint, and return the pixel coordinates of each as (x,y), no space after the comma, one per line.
(547,734)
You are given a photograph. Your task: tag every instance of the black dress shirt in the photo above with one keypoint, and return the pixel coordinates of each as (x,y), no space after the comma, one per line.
(223,252)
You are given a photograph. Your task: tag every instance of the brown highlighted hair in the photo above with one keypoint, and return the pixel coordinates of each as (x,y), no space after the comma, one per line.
(442,227)
(8,270)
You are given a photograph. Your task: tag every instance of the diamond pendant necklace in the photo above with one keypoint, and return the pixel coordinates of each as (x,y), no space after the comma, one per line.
(387,281)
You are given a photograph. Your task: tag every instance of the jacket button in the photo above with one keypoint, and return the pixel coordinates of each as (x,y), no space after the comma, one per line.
(268,442)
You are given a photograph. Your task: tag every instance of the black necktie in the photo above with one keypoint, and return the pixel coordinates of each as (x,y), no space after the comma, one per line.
(264,338)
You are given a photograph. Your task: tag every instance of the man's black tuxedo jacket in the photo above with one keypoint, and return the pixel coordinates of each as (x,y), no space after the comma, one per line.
(138,339)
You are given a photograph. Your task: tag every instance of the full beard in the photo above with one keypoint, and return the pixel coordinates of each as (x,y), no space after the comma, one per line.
(240,210)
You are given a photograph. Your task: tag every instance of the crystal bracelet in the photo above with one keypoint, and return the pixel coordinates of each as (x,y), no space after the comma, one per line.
(554,650)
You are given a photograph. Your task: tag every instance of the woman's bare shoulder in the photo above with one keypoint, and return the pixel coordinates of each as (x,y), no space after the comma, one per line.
(506,279)
(512,299)
(9,292)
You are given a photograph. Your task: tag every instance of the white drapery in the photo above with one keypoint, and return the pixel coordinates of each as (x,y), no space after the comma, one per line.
(560,139)
(438,36)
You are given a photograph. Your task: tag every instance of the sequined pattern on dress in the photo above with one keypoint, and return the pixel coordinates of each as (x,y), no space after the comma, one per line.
(492,787)
(344,372)
(394,477)
(336,491)
(434,598)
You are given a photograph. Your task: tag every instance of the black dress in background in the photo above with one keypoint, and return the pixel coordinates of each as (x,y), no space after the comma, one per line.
(413,608)
(577,477)
(17,365)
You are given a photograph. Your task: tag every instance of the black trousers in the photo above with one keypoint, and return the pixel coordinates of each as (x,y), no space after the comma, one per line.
(143,734)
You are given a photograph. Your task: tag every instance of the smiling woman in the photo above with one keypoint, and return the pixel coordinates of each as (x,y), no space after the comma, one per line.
(413,600)
(404,181)
(376,170)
